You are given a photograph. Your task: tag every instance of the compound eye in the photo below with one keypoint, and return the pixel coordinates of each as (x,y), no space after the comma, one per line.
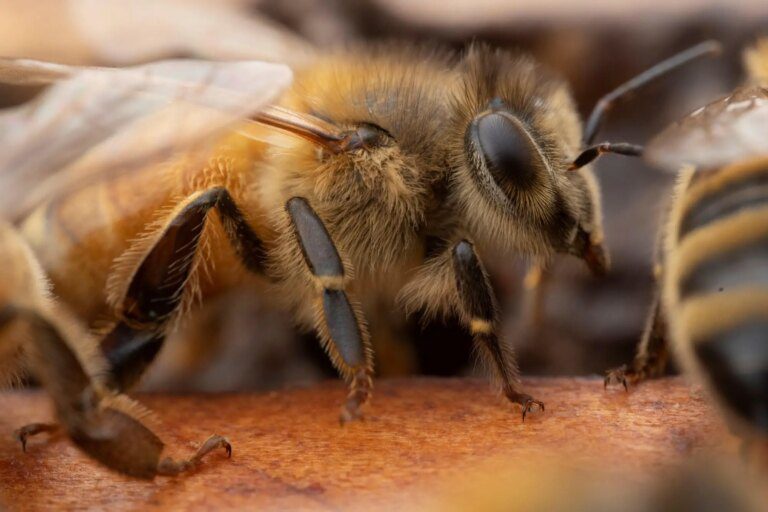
(367,136)
(508,150)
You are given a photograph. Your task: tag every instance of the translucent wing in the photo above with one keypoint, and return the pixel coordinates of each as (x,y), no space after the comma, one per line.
(95,122)
(122,33)
(157,28)
(31,72)
(726,130)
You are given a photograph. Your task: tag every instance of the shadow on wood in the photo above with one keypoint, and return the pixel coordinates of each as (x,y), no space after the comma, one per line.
(289,451)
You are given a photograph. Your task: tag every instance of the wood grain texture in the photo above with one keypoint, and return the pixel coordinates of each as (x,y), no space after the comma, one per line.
(291,453)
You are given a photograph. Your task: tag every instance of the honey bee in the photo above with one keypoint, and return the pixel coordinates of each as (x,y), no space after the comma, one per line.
(712,301)
(393,168)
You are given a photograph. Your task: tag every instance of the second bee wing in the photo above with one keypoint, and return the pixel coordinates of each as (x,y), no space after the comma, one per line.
(726,130)
(94,122)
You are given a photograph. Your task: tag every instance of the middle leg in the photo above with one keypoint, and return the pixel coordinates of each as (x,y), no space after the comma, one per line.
(532,316)
(341,329)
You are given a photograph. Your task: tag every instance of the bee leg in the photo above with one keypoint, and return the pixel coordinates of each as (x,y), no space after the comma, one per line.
(477,306)
(105,426)
(170,467)
(535,284)
(126,446)
(156,289)
(23,433)
(347,342)
(8,315)
(652,353)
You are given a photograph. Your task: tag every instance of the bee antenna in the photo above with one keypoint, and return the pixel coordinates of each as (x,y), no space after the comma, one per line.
(592,152)
(304,125)
(706,48)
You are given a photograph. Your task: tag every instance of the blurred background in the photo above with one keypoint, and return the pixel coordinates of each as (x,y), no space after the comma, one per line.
(588,324)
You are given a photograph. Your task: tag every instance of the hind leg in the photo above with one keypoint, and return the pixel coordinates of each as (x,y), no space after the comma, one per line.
(33,429)
(157,286)
(107,427)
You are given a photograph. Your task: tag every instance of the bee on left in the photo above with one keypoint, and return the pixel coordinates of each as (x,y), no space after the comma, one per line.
(190,99)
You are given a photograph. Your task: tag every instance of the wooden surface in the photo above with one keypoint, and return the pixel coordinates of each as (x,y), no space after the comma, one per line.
(289,451)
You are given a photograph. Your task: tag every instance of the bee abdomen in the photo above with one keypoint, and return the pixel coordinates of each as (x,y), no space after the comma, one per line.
(741,266)
(720,284)
(736,363)
(722,242)
(735,195)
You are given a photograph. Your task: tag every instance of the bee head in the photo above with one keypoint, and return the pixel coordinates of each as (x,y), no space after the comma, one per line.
(517,130)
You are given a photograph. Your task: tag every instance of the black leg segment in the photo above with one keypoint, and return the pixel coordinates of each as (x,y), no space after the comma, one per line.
(472,284)
(343,328)
(347,344)
(478,306)
(157,287)
(319,250)
(249,247)
(323,260)
(155,290)
(129,352)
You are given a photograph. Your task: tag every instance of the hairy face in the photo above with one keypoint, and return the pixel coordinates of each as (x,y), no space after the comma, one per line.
(515,131)
(373,194)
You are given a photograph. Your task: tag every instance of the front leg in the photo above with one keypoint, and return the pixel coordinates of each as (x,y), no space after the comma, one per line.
(477,308)
(339,327)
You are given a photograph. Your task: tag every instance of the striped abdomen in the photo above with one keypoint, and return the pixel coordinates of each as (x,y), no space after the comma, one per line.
(716,283)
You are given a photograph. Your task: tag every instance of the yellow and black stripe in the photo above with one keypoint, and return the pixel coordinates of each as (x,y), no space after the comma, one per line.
(716,283)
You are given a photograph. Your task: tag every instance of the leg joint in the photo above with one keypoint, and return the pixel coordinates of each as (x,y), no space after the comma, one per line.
(211,197)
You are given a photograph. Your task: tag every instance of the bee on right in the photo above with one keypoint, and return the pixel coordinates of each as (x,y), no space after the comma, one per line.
(712,301)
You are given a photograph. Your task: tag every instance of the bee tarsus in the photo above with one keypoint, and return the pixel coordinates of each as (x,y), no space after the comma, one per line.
(359,395)
(652,355)
(24,433)
(527,403)
(170,467)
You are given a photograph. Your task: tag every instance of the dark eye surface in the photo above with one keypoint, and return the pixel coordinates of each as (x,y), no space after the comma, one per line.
(507,149)
(367,136)
(373,133)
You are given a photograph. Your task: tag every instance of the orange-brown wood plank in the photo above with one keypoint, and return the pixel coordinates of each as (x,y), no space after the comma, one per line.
(289,451)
